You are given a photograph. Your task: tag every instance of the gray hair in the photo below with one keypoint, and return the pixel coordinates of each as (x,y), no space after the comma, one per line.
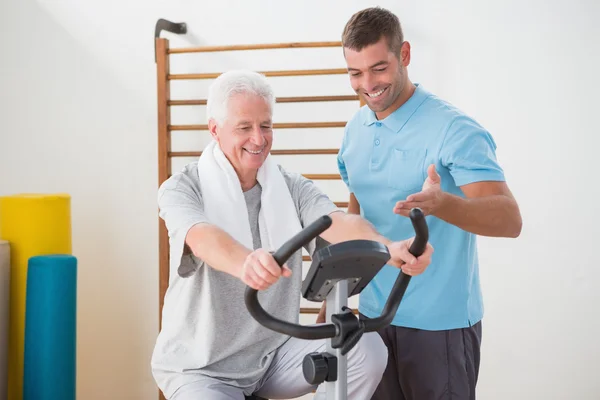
(236,82)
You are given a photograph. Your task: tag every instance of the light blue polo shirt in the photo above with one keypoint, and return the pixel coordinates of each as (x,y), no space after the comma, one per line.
(384,161)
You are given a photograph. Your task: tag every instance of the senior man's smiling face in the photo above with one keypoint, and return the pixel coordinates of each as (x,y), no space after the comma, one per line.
(246,134)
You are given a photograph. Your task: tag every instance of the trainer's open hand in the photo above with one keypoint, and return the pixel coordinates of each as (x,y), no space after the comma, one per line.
(260,270)
(402,258)
(429,199)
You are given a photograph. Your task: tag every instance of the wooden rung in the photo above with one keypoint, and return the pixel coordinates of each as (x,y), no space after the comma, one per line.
(322,176)
(187,102)
(341,204)
(282,125)
(311,310)
(273,152)
(298,99)
(298,72)
(260,46)
(332,177)
(308,99)
(185,154)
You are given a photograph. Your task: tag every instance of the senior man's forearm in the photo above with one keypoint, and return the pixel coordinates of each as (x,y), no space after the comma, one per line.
(346,227)
(217,248)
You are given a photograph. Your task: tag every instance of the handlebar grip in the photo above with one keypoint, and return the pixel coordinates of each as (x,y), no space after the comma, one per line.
(301,239)
(417,248)
(281,256)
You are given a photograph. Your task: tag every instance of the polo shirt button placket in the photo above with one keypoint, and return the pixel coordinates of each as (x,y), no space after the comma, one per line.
(377,151)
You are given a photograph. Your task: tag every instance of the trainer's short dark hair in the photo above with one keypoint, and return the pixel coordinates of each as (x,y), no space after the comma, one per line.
(367,26)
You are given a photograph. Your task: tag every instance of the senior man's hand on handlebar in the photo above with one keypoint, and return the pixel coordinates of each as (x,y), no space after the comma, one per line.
(403,259)
(260,270)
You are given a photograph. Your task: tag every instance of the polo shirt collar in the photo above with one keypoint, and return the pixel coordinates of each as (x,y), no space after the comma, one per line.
(396,120)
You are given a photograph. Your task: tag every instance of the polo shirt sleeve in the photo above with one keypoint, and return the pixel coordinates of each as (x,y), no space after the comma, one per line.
(469,153)
(180,207)
(340,159)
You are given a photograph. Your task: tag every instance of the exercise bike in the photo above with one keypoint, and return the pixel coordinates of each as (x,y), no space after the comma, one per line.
(337,272)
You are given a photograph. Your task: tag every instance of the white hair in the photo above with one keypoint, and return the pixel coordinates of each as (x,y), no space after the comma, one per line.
(236,82)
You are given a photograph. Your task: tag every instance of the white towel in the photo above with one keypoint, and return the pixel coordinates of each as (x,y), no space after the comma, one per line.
(225,206)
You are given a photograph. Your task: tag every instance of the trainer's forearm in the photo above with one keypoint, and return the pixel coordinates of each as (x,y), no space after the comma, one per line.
(353,205)
(217,248)
(495,215)
(346,227)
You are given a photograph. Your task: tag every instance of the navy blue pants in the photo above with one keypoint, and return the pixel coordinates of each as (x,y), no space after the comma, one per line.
(428,365)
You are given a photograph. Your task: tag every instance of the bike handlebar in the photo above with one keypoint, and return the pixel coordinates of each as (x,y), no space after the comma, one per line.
(416,248)
(324,331)
(281,256)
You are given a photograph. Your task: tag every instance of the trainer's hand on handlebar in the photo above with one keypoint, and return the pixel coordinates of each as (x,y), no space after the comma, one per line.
(260,270)
(403,259)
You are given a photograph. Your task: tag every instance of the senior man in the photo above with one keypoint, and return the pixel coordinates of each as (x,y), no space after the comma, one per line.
(225,213)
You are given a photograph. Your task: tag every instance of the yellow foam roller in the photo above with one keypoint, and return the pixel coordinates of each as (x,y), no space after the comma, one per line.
(34,224)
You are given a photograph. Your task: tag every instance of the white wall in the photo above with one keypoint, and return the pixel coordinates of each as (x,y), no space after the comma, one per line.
(78,115)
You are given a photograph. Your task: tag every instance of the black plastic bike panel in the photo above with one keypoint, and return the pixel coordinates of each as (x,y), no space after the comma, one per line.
(357,261)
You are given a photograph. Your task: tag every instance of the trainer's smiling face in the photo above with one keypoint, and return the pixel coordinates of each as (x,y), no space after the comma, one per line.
(378,75)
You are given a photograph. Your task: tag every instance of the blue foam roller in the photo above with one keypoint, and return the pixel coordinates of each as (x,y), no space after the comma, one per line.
(50,328)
